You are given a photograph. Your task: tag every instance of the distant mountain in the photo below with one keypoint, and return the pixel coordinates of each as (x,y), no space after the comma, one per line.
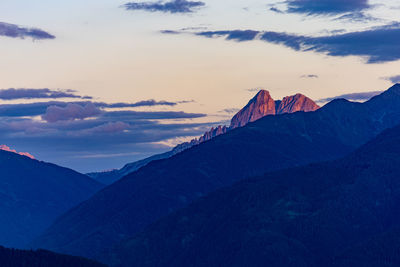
(26,154)
(42,258)
(259,106)
(341,213)
(295,103)
(33,194)
(271,143)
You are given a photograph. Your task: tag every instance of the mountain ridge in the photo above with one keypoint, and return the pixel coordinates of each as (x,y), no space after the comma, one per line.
(339,213)
(34,193)
(271,143)
(259,106)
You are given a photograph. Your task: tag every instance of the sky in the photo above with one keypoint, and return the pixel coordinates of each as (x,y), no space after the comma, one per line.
(95,84)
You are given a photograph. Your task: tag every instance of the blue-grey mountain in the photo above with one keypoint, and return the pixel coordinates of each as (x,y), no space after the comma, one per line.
(270,143)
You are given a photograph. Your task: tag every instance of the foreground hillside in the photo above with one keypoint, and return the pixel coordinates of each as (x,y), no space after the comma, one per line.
(41,258)
(341,213)
(33,194)
(271,143)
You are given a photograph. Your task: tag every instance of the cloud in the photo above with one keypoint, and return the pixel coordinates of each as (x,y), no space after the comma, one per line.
(174,6)
(393,79)
(15,31)
(357,17)
(229,110)
(25,93)
(110,128)
(71,112)
(151,115)
(310,76)
(326,7)
(276,10)
(39,108)
(145,103)
(352,97)
(376,45)
(235,35)
(60,131)
(255,89)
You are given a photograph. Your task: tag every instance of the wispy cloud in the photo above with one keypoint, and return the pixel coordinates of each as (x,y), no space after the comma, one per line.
(367,44)
(15,31)
(174,6)
(363,96)
(318,7)
(393,79)
(309,76)
(27,93)
(234,35)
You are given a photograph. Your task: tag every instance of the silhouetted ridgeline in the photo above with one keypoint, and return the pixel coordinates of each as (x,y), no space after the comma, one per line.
(259,106)
(41,258)
(33,194)
(341,213)
(271,143)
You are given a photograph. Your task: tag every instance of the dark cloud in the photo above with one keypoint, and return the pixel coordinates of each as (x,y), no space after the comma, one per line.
(25,93)
(15,31)
(235,35)
(357,17)
(174,6)
(311,76)
(276,10)
(326,7)
(145,103)
(376,45)
(69,131)
(71,112)
(150,115)
(393,79)
(352,97)
(40,108)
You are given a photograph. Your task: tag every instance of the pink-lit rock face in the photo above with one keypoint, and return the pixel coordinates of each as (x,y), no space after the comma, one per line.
(6,148)
(294,103)
(261,105)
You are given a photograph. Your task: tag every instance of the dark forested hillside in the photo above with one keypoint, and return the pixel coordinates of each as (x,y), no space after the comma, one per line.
(33,194)
(340,213)
(41,258)
(271,143)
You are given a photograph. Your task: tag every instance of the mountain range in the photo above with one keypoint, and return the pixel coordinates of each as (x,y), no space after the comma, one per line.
(271,143)
(33,194)
(340,213)
(259,106)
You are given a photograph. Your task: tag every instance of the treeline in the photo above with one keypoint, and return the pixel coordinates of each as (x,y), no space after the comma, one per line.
(41,258)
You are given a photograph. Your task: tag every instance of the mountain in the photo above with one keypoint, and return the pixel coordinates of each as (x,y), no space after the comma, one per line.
(42,258)
(263,104)
(259,106)
(340,213)
(26,154)
(295,103)
(33,194)
(274,142)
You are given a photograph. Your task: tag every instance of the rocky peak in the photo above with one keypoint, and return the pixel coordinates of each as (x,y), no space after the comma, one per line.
(259,106)
(294,103)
